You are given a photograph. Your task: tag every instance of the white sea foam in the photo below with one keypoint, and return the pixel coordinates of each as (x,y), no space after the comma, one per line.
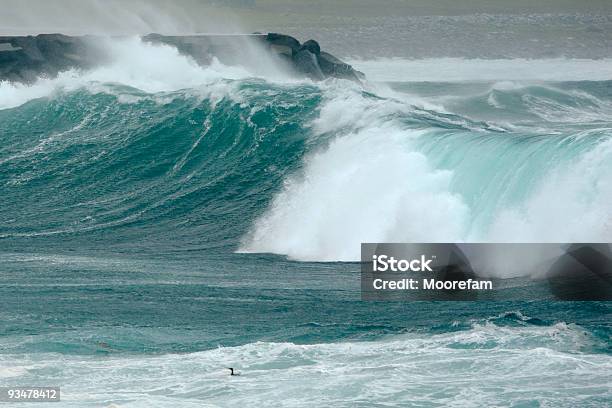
(11,372)
(571,204)
(365,187)
(369,185)
(487,365)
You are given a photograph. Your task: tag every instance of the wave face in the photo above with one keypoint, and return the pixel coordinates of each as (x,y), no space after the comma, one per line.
(183,157)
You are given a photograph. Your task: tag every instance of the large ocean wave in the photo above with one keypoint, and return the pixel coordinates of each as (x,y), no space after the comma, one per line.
(155,151)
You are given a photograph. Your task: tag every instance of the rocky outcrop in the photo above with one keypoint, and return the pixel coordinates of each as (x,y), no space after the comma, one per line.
(23,59)
(333,67)
(308,59)
(307,63)
(282,44)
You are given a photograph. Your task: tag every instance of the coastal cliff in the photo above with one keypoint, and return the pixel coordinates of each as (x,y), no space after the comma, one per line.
(26,58)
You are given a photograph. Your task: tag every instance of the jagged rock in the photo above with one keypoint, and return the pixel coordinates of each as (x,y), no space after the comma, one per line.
(324,66)
(333,67)
(23,59)
(312,46)
(306,63)
(283,44)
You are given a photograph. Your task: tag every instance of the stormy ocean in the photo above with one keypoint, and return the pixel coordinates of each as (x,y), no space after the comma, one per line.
(162,221)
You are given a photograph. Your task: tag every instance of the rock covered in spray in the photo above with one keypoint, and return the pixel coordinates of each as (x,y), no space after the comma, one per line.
(26,58)
(309,60)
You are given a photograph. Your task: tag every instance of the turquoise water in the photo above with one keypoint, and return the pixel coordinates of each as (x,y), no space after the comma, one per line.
(152,237)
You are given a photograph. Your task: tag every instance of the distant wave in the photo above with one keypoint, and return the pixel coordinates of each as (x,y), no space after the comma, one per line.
(458,69)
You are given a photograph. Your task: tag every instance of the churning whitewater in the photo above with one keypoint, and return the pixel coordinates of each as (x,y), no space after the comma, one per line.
(158,220)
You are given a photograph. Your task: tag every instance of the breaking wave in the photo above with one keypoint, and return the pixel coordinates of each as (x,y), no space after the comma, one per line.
(223,157)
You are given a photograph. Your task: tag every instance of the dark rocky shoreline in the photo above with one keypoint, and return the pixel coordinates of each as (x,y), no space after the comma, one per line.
(26,58)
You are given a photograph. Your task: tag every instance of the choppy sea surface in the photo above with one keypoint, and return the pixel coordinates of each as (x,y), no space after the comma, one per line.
(160,222)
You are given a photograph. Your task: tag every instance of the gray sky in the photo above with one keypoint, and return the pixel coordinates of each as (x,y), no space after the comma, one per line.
(187,16)
(355,28)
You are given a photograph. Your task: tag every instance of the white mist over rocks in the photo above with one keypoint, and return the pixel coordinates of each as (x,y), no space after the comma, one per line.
(151,68)
(147,67)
